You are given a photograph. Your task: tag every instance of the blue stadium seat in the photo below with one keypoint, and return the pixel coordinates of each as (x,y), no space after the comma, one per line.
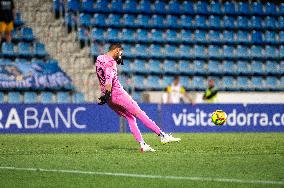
(255,22)
(228,22)
(242,52)
(229,67)
(272,67)
(256,37)
(159,6)
(214,67)
(171,36)
(200,36)
(201,7)
(95,50)
(200,21)
(256,83)
(257,67)
(142,35)
(78,97)
(128,35)
(166,81)
(91,6)
(63,97)
(198,83)
(14,97)
(186,36)
(199,67)
(174,7)
(85,20)
(156,51)
(243,37)
(172,21)
(70,20)
(116,6)
(199,51)
(242,22)
(270,37)
(137,96)
(16,36)
(271,52)
(256,51)
(127,66)
(112,35)
(153,82)
(171,66)
(139,66)
(214,36)
(185,67)
(281,84)
(184,81)
(141,50)
(144,6)
(39,50)
(82,34)
(8,49)
(214,21)
(114,20)
(142,20)
(125,81)
(130,6)
(18,20)
(128,50)
(228,83)
(157,21)
(187,7)
(270,22)
(243,83)
(97,34)
(128,20)
(281,51)
(228,37)
(155,66)
(73,5)
(30,97)
(243,8)
(281,22)
(186,21)
(228,51)
(27,34)
(24,49)
(229,8)
(257,8)
(281,9)
(271,83)
(244,67)
(157,35)
(214,51)
(138,81)
(270,9)
(21,61)
(170,51)
(99,20)
(215,7)
(185,51)
(1,97)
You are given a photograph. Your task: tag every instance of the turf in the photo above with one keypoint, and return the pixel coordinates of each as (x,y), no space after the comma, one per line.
(245,156)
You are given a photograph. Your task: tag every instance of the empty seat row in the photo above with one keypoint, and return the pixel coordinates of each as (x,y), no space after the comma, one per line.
(183,21)
(225,67)
(23,34)
(43,97)
(174,7)
(198,51)
(23,60)
(245,83)
(182,36)
(23,49)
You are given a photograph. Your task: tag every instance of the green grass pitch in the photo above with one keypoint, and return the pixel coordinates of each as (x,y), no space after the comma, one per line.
(211,159)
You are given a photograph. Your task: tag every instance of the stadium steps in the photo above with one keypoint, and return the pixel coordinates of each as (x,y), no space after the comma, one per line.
(61,46)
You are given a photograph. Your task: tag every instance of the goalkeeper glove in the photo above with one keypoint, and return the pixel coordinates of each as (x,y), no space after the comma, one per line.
(103,99)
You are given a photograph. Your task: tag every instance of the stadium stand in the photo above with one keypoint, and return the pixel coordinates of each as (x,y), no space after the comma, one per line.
(238,43)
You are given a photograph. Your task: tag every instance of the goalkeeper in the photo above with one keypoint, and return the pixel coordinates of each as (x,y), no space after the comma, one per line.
(120,101)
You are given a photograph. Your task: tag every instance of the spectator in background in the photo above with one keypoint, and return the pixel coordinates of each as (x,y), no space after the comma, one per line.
(7,15)
(176,93)
(210,94)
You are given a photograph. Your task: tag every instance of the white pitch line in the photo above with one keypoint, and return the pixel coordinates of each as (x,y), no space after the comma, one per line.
(224,180)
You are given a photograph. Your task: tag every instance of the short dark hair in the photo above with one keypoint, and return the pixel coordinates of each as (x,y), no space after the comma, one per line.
(114,46)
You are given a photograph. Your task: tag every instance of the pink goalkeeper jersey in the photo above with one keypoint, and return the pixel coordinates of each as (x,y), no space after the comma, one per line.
(107,74)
